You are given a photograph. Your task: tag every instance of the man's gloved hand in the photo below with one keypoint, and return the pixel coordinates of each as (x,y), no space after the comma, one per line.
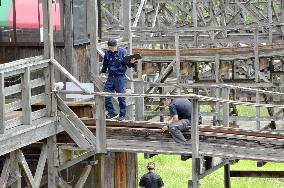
(165,128)
(132,60)
(103,77)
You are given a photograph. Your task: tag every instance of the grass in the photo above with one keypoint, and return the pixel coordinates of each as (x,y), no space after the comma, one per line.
(248,111)
(176,173)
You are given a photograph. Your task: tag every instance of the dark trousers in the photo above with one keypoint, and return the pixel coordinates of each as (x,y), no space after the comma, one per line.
(177,128)
(115,84)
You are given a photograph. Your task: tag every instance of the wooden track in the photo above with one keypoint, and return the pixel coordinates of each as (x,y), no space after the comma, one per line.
(130,136)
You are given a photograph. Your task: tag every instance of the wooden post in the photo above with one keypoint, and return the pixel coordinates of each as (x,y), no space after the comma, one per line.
(227,182)
(93,23)
(100,125)
(71,65)
(120,170)
(218,93)
(52,160)
(177,67)
(26,97)
(100,171)
(256,68)
(48,29)
(139,102)
(195,145)
(226,108)
(2,103)
(194,19)
(269,12)
(282,17)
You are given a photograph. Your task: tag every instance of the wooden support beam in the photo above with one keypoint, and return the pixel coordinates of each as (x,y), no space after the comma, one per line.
(48,29)
(83,177)
(92,20)
(195,145)
(139,12)
(2,103)
(120,170)
(52,161)
(26,97)
(139,102)
(101,125)
(5,173)
(76,121)
(257,174)
(227,175)
(100,171)
(76,160)
(71,65)
(25,167)
(15,176)
(256,69)
(226,108)
(40,166)
(76,135)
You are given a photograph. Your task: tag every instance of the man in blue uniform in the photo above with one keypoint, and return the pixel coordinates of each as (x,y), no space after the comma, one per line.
(116,81)
(151,179)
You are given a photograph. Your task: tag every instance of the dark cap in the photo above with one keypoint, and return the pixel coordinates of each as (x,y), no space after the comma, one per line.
(112,42)
(151,165)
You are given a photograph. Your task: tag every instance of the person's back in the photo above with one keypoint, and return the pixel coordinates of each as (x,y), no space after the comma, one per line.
(151,180)
(182,106)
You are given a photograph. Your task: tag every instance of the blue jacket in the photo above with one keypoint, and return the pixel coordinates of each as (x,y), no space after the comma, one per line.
(114,63)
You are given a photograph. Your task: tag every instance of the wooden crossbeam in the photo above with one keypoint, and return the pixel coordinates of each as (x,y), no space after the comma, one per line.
(40,166)
(25,167)
(83,177)
(88,135)
(5,173)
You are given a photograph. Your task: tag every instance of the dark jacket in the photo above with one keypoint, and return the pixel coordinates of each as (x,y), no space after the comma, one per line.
(114,63)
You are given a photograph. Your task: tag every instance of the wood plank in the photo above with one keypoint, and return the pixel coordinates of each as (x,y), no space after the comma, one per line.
(74,132)
(15,177)
(5,173)
(77,122)
(24,135)
(120,170)
(11,123)
(83,177)
(17,87)
(40,166)
(101,125)
(26,97)
(76,160)
(25,167)
(2,103)
(52,161)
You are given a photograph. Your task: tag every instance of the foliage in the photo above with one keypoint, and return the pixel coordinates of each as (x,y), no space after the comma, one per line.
(176,173)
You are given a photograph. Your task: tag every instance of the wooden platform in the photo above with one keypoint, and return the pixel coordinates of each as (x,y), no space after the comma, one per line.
(23,135)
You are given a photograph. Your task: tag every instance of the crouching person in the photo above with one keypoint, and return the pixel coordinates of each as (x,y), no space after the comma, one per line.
(180,119)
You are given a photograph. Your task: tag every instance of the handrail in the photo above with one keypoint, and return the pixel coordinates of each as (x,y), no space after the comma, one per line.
(189,96)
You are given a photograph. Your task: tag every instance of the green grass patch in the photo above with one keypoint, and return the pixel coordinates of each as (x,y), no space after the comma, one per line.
(248,111)
(176,173)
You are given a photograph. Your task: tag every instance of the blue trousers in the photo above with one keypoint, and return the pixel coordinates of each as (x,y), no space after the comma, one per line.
(115,84)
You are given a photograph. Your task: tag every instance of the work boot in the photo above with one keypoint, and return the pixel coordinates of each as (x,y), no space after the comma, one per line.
(184,157)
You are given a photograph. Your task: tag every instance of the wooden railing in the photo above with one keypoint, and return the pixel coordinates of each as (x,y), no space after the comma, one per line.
(22,69)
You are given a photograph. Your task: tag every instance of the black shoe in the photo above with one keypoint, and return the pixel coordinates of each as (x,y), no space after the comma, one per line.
(184,157)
